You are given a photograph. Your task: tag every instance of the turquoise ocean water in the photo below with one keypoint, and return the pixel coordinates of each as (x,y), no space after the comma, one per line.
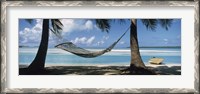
(115,57)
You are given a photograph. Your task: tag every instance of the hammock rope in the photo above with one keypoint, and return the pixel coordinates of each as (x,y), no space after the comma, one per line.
(72,48)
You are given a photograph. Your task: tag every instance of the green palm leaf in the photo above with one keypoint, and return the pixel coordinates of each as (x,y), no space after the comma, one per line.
(165,23)
(30,21)
(150,23)
(57,27)
(103,24)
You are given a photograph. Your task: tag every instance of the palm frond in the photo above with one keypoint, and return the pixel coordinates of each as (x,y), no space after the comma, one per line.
(103,24)
(165,23)
(30,21)
(54,32)
(57,27)
(150,23)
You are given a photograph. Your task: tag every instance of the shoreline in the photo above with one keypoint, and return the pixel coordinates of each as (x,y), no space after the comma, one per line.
(102,65)
(58,69)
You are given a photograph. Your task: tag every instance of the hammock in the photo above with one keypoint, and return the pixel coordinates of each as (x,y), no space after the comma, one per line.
(72,48)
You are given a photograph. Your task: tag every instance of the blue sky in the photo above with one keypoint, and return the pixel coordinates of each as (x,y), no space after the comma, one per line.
(84,33)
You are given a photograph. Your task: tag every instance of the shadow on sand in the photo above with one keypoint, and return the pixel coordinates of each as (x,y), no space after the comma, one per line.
(165,70)
(99,70)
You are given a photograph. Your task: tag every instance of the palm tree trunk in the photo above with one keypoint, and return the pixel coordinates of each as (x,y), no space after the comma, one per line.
(137,66)
(39,61)
(136,61)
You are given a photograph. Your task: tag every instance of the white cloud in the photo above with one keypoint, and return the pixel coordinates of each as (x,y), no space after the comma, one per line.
(68,25)
(83,40)
(80,40)
(90,40)
(166,41)
(122,42)
(31,35)
(71,25)
(105,37)
(89,25)
(101,42)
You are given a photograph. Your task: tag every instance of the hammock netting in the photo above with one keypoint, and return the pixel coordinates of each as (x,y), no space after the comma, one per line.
(72,48)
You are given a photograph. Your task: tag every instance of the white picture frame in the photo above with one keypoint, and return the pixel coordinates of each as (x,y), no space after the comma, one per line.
(6,5)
